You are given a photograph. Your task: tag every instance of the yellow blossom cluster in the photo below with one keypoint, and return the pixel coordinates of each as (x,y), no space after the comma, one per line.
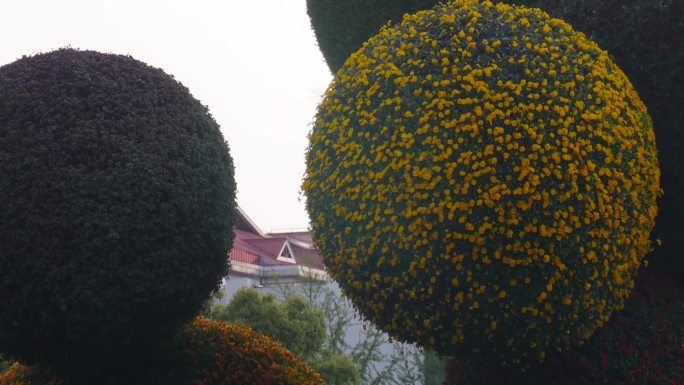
(482,178)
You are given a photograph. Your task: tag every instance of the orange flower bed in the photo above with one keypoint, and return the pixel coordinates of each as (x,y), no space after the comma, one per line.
(222,354)
(205,353)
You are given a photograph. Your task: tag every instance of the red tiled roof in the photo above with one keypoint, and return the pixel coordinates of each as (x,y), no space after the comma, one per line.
(308,257)
(254,247)
(270,247)
(302,236)
(242,243)
(242,234)
(241,255)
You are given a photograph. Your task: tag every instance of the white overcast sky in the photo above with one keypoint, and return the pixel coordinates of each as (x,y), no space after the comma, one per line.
(255,64)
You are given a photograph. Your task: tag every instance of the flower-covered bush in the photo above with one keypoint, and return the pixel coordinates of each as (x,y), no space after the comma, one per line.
(482,178)
(220,354)
(205,353)
(116,212)
(643,37)
(645,40)
(642,344)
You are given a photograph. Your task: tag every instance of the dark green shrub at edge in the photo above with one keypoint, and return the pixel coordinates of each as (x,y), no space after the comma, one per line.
(118,202)
(643,344)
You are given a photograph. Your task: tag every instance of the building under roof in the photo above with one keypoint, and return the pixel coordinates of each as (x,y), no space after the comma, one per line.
(273,257)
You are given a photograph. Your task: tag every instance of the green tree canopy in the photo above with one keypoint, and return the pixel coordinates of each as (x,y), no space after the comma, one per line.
(295,323)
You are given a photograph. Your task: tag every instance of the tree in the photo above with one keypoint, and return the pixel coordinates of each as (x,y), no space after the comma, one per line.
(296,324)
(381,361)
(433,369)
(336,368)
(4,363)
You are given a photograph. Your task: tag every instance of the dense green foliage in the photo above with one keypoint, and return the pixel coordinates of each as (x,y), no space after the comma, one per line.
(204,353)
(482,178)
(341,27)
(295,323)
(375,357)
(336,368)
(433,369)
(643,344)
(4,363)
(118,202)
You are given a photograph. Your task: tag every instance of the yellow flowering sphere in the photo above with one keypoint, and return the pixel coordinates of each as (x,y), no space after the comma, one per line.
(482,178)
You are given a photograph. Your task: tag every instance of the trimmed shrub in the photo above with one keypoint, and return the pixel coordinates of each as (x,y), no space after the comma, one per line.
(643,37)
(341,27)
(645,40)
(219,353)
(205,353)
(643,344)
(118,203)
(483,179)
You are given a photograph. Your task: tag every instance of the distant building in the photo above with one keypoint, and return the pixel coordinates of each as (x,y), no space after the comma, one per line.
(271,261)
(259,259)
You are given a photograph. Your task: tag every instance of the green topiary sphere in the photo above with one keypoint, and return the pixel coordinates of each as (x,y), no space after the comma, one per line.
(342,26)
(118,202)
(482,178)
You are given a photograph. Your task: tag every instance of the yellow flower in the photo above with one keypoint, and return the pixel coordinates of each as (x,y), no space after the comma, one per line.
(485,171)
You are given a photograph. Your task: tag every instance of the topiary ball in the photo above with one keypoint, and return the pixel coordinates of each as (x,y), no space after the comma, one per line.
(118,202)
(482,178)
(645,40)
(642,344)
(341,27)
